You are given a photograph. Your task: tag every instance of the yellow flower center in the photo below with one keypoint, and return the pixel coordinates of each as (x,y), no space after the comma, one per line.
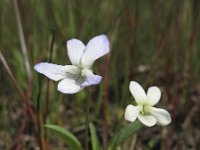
(145,109)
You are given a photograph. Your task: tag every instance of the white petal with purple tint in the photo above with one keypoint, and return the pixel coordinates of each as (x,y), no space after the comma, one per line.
(75,50)
(90,78)
(96,47)
(52,71)
(68,86)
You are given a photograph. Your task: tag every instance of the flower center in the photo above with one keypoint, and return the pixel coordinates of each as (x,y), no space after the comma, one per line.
(145,109)
(79,76)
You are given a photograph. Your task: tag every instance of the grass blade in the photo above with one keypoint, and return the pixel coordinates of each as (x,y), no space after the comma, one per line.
(124,133)
(94,138)
(68,137)
(22,42)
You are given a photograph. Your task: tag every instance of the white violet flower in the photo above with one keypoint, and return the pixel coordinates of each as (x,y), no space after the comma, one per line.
(144,110)
(75,77)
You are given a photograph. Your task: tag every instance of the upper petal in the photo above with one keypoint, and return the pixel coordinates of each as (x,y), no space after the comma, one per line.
(137,92)
(153,95)
(96,47)
(75,49)
(162,116)
(131,113)
(52,71)
(68,86)
(91,79)
(147,120)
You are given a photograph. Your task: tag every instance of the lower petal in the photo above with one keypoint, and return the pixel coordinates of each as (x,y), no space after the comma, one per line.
(131,113)
(68,86)
(147,120)
(162,116)
(91,79)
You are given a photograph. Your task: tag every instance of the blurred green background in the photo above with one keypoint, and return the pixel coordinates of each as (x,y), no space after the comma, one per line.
(153,42)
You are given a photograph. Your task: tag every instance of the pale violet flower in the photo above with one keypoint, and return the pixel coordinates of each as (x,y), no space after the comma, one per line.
(75,77)
(144,110)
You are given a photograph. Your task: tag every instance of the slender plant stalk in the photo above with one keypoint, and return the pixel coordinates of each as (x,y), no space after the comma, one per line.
(104,104)
(38,119)
(48,87)
(22,42)
(50,9)
(87,123)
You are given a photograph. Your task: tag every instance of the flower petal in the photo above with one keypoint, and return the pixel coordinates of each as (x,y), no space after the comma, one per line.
(162,116)
(75,49)
(96,47)
(153,95)
(52,71)
(131,113)
(91,79)
(68,86)
(138,92)
(147,120)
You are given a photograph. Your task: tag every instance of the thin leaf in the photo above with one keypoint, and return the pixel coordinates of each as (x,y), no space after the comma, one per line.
(94,138)
(68,137)
(124,133)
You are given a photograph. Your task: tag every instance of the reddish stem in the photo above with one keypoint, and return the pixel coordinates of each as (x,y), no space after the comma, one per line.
(104,104)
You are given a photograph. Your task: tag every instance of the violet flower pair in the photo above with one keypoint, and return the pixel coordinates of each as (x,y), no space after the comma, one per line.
(73,78)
